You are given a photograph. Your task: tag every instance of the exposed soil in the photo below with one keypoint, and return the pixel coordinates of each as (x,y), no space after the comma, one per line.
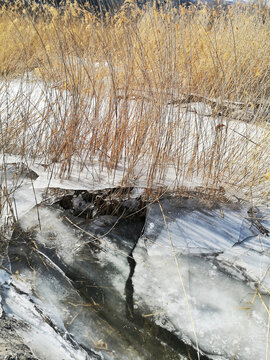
(11,345)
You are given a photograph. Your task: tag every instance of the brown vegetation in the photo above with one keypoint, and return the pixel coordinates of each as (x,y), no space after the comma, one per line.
(124,87)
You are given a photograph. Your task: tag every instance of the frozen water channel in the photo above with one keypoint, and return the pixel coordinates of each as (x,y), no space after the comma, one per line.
(93,277)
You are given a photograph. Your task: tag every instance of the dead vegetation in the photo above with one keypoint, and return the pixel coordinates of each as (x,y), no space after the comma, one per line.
(119,92)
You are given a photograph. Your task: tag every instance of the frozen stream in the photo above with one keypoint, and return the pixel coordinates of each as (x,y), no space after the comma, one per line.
(94,277)
(76,269)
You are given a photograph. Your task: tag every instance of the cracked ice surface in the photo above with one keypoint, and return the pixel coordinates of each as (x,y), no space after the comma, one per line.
(98,274)
(43,339)
(198,276)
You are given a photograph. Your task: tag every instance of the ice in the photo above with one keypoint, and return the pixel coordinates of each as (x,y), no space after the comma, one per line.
(97,265)
(43,339)
(193,280)
(195,229)
(68,242)
(4,280)
(53,232)
(4,277)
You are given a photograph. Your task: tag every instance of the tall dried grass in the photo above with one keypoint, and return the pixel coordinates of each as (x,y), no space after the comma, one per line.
(119,89)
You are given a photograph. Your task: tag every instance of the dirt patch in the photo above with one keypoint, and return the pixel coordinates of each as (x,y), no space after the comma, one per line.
(11,345)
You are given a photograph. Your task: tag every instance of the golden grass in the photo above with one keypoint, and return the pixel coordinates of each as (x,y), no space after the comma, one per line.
(138,62)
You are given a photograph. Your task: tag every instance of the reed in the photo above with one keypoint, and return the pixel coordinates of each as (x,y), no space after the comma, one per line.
(169,96)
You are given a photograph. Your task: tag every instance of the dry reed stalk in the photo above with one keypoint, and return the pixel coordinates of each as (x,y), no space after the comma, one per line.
(107,85)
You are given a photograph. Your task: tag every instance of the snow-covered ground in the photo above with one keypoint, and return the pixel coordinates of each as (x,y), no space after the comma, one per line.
(32,113)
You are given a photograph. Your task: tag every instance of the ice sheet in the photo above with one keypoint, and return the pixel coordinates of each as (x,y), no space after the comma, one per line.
(43,340)
(182,282)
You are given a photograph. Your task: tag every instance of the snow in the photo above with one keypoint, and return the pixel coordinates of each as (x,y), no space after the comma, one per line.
(193,264)
(43,106)
(17,179)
